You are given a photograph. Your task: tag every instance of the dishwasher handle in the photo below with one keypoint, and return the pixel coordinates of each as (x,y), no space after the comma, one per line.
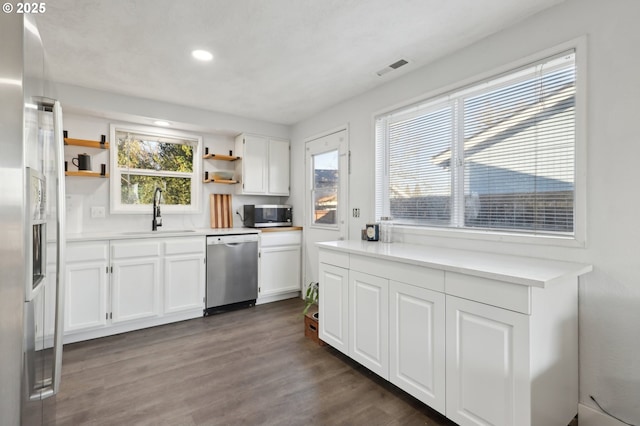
(232,239)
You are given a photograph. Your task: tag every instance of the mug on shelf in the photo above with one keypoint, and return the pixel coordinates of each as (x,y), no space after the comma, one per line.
(82,161)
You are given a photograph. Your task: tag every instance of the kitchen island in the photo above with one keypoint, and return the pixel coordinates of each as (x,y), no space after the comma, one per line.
(482,338)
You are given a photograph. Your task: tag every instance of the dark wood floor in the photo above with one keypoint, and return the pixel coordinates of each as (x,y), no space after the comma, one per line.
(248,367)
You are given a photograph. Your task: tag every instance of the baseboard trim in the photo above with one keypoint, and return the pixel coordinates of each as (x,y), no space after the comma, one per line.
(588,416)
(111,329)
(277,297)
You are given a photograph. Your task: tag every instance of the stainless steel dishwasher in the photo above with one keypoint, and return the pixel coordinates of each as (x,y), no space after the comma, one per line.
(232,272)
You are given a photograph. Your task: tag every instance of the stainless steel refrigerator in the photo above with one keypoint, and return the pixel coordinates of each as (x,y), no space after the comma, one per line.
(31,228)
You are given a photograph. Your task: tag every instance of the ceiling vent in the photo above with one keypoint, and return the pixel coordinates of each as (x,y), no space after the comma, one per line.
(392,67)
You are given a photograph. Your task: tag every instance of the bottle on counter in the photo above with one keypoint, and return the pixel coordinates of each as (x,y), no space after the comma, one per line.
(386,229)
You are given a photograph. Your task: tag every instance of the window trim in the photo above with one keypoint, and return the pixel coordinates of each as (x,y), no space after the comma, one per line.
(579,237)
(116,207)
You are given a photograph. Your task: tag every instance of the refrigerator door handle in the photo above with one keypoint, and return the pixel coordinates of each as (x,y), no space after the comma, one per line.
(61,249)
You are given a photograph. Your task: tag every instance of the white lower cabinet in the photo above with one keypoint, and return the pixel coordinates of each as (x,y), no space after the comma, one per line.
(333,303)
(122,285)
(417,342)
(135,279)
(487,364)
(86,292)
(184,275)
(280,260)
(480,351)
(369,322)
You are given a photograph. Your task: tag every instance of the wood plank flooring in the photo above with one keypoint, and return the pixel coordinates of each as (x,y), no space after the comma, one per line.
(248,367)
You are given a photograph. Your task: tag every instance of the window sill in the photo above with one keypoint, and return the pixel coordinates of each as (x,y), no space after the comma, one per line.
(492,236)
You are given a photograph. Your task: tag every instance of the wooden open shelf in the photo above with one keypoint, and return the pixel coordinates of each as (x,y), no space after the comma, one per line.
(228,182)
(86,143)
(221,157)
(84,173)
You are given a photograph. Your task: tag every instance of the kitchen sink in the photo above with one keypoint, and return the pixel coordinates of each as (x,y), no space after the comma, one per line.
(164,231)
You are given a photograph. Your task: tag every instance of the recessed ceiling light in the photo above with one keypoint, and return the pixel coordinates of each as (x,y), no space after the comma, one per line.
(161,123)
(202,55)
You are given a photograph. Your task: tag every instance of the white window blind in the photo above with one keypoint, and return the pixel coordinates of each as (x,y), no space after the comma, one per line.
(498,155)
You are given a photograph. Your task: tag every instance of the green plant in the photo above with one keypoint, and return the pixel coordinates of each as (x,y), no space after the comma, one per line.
(311,296)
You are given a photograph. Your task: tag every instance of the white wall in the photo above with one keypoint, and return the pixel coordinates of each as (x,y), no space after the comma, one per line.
(610,296)
(91,114)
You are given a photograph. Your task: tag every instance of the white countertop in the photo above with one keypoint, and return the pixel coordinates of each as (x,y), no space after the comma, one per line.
(125,235)
(516,269)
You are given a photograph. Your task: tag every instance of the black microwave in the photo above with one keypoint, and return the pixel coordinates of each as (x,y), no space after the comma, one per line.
(267,215)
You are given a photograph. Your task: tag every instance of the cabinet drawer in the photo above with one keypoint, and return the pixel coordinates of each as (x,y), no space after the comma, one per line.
(283,238)
(331,257)
(86,252)
(185,246)
(502,294)
(420,276)
(133,249)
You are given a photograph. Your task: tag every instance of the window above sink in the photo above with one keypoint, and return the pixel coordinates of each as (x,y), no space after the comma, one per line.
(146,158)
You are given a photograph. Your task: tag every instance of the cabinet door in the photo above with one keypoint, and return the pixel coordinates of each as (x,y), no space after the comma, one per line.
(333,306)
(369,322)
(184,283)
(417,342)
(487,364)
(85,296)
(279,270)
(255,157)
(278,167)
(135,289)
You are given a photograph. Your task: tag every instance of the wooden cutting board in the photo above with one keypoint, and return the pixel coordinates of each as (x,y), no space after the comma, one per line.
(221,214)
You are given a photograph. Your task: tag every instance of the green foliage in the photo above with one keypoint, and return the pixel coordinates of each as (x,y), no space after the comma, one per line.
(137,152)
(311,296)
(138,189)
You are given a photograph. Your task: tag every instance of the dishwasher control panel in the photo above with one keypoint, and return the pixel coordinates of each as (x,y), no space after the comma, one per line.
(228,239)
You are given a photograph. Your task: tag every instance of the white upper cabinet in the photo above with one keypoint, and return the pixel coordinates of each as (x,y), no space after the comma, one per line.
(263,165)
(278,167)
(254,154)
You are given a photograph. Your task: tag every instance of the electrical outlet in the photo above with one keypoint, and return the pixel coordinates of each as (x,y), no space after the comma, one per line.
(356,212)
(97,212)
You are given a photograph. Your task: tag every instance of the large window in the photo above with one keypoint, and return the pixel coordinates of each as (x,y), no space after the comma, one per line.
(499,155)
(144,159)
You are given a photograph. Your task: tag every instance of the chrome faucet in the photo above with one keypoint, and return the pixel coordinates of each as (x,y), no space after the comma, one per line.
(157,218)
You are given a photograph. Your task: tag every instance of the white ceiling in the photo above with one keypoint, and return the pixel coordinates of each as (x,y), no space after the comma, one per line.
(276,60)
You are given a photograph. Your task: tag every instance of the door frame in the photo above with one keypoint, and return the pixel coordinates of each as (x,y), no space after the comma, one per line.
(343,127)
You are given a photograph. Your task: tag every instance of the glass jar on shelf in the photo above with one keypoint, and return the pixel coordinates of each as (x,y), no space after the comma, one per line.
(386,229)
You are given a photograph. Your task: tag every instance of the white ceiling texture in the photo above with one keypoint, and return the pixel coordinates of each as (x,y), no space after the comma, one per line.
(275,60)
